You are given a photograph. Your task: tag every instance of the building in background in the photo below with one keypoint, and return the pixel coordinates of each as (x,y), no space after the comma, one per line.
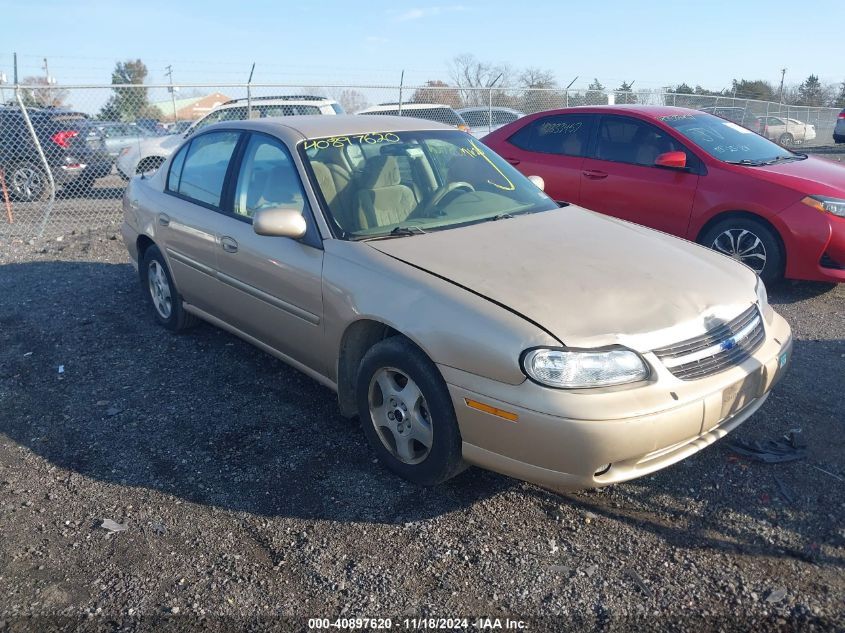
(190,108)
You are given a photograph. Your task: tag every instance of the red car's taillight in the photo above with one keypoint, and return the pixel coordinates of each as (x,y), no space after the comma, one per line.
(61,138)
(842,114)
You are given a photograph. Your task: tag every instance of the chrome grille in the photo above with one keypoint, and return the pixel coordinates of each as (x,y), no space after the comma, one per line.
(720,348)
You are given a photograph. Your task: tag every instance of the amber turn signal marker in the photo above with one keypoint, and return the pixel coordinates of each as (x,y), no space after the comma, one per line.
(486,408)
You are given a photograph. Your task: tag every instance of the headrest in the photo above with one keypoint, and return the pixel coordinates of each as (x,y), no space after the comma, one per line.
(281,185)
(381,171)
(324,179)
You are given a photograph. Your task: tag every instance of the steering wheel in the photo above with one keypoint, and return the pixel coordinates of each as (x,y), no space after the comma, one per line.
(438,197)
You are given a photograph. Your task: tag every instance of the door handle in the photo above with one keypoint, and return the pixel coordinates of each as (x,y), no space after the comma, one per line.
(163,220)
(594,174)
(513,161)
(229,244)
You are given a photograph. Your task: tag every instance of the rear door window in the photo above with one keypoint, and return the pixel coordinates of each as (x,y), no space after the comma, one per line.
(204,170)
(566,135)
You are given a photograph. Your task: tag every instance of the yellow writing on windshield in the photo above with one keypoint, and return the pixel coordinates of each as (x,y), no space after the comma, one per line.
(476,152)
(343,141)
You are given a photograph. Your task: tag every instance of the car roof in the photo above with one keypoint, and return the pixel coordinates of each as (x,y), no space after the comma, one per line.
(298,127)
(485,109)
(651,111)
(406,106)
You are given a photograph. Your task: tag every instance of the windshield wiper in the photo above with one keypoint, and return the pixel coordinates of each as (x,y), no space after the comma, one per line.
(747,161)
(501,216)
(778,159)
(407,230)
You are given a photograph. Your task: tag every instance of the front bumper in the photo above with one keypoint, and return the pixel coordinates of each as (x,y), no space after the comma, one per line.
(815,244)
(637,430)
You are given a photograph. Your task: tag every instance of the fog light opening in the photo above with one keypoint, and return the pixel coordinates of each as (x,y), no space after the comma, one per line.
(602,470)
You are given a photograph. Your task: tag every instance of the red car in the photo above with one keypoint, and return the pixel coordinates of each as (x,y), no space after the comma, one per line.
(694,175)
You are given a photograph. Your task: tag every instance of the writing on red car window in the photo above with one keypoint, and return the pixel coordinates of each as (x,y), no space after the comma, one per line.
(560,127)
(343,141)
(675,117)
(474,151)
(721,149)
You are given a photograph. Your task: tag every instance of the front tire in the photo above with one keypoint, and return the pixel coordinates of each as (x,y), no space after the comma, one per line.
(157,285)
(407,414)
(786,140)
(751,242)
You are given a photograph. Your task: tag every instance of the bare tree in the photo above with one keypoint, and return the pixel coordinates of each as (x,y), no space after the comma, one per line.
(539,90)
(44,95)
(437,91)
(471,75)
(352,100)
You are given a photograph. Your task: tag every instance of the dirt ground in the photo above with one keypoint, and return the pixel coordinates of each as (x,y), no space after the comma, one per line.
(249,503)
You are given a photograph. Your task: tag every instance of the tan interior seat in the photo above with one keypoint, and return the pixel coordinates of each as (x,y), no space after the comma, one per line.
(382,199)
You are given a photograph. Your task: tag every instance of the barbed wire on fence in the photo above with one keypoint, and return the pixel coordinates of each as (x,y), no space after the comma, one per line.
(66,152)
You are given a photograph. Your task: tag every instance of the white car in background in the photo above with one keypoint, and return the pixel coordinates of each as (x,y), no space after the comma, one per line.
(439,112)
(148,154)
(483,120)
(785,131)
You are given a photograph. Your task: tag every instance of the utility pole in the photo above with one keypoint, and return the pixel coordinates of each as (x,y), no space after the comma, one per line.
(169,72)
(782,75)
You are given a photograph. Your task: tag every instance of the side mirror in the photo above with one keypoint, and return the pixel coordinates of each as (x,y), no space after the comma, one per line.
(279,222)
(538,182)
(675,160)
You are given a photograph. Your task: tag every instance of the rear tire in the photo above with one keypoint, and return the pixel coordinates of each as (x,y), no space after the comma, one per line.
(157,285)
(407,414)
(751,242)
(786,140)
(27,182)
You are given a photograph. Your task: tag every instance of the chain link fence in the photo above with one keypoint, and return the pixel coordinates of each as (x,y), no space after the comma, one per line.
(66,152)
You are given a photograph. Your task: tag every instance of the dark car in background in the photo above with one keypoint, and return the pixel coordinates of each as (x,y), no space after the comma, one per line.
(735,114)
(839,130)
(74,149)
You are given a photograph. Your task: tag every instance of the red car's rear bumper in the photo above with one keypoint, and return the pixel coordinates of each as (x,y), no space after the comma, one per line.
(815,244)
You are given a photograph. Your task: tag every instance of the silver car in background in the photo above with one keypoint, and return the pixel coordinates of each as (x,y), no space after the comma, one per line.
(482,120)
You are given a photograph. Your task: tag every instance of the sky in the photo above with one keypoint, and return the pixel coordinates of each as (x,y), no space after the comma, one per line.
(654,44)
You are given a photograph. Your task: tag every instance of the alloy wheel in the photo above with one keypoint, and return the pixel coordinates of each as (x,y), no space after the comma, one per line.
(159,289)
(743,246)
(27,183)
(400,415)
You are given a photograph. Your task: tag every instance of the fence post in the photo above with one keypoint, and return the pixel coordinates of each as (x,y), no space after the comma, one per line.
(401,84)
(490,109)
(43,158)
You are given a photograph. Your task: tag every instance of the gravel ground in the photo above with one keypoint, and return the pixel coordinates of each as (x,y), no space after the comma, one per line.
(250,503)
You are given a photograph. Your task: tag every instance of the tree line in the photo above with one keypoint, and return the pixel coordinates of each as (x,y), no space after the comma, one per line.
(471,82)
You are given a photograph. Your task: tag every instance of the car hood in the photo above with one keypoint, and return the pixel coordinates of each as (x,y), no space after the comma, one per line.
(587,279)
(810,176)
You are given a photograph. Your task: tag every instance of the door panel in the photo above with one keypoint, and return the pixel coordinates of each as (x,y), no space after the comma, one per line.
(271,287)
(187,224)
(552,147)
(187,233)
(619,177)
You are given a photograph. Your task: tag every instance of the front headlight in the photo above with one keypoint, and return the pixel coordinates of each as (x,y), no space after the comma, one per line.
(578,369)
(826,204)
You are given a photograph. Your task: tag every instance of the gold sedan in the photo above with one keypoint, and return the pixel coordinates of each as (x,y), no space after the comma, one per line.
(458,311)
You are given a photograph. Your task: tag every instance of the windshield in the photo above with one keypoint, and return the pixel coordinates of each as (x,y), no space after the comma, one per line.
(405,183)
(726,140)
